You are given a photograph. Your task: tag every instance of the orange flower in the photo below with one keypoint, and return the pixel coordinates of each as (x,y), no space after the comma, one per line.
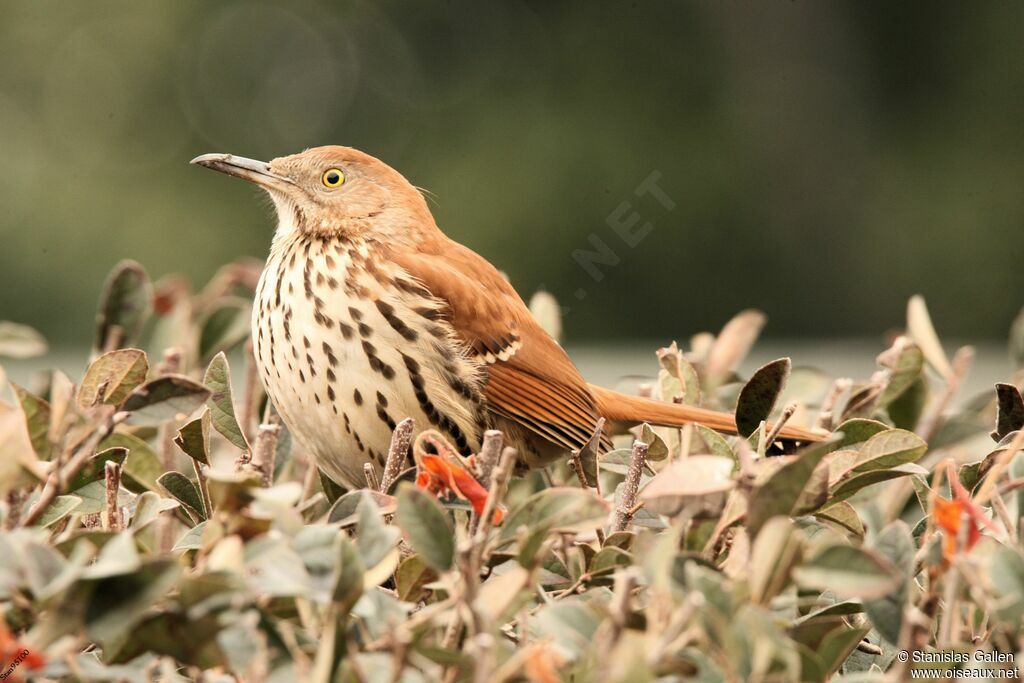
(541,664)
(950,514)
(443,472)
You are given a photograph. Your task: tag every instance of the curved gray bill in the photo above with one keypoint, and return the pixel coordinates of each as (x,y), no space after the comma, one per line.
(247,169)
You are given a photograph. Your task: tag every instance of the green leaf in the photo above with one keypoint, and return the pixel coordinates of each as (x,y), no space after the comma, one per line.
(348,574)
(222,409)
(616,461)
(608,559)
(571,626)
(562,508)
(180,488)
(37,418)
(716,443)
(758,397)
(895,544)
(344,510)
(142,466)
(781,493)
(1007,575)
(848,572)
(94,498)
(111,377)
(838,645)
(126,303)
(858,430)
(905,411)
(1010,413)
(906,371)
(657,449)
(424,521)
(921,330)
(118,602)
(844,516)
(846,487)
(94,469)
(171,397)
(148,507)
(698,484)
(889,449)
(375,541)
(677,377)
(225,327)
(191,539)
(776,549)
(20,341)
(194,438)
(61,507)
(411,578)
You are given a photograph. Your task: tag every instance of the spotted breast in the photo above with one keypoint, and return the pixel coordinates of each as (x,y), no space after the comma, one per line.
(347,344)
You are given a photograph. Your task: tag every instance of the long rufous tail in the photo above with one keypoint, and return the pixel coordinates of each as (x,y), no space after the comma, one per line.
(617,407)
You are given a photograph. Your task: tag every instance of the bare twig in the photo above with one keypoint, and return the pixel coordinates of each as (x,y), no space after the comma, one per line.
(948,634)
(622,597)
(777,427)
(624,511)
(590,449)
(204,488)
(931,420)
(398,451)
(988,486)
(61,476)
(112,519)
(826,417)
(251,392)
(498,488)
(487,458)
(265,450)
(1003,513)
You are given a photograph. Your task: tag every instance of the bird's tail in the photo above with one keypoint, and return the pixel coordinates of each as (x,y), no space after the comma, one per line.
(632,410)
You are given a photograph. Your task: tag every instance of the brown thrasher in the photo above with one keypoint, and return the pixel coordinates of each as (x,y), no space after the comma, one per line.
(367,313)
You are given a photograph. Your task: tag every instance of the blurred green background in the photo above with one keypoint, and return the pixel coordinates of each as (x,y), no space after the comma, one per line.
(825,160)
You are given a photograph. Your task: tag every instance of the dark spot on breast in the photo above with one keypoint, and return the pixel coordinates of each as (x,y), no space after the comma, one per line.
(382,399)
(376,364)
(357,397)
(365,330)
(346,330)
(427,312)
(388,311)
(383,415)
(329,352)
(356,314)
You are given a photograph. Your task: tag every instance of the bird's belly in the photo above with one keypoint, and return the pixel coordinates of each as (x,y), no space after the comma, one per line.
(337,369)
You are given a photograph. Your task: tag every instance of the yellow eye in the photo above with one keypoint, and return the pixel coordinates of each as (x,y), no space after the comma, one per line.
(333,177)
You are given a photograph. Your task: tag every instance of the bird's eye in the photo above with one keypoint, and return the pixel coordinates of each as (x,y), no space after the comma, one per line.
(333,177)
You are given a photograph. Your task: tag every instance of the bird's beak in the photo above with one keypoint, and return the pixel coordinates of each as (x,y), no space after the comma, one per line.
(247,169)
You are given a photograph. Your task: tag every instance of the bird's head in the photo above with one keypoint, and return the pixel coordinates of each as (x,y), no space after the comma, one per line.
(334,190)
